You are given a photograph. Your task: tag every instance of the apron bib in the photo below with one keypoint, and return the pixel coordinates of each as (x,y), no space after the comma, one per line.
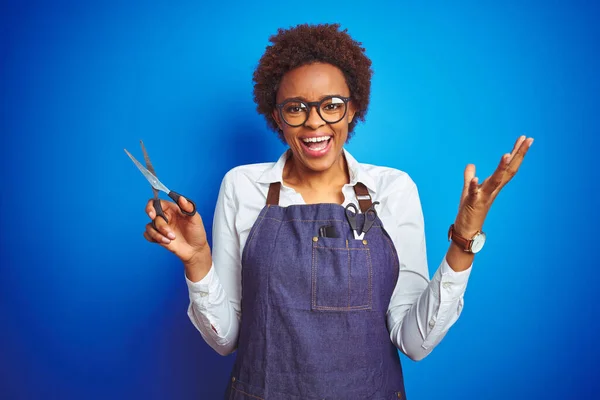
(313,322)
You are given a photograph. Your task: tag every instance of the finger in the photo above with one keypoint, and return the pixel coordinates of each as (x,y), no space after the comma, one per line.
(469,174)
(185,204)
(497,178)
(163,228)
(523,148)
(148,237)
(517,144)
(167,208)
(165,205)
(154,235)
(514,163)
(474,187)
(150,209)
(516,160)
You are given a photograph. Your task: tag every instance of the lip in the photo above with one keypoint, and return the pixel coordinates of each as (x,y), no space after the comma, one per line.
(316,153)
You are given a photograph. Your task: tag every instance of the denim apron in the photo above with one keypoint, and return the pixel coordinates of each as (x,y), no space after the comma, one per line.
(313,322)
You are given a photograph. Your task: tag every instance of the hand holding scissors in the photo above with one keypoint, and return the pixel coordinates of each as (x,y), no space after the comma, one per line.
(157,185)
(178,221)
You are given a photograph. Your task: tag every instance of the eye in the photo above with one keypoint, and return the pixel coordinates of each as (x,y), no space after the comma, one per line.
(294,108)
(333,105)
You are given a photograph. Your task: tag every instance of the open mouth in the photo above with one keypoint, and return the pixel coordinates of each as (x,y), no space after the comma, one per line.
(316,146)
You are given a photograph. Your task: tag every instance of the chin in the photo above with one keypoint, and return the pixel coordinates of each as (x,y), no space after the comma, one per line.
(313,153)
(321,164)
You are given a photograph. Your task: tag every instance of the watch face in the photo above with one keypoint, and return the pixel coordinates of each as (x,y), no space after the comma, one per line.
(478,242)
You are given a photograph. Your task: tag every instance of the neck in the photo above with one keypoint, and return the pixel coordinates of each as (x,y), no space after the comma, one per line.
(298,175)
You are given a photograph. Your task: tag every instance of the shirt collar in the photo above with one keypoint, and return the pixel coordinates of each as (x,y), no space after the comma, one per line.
(357,172)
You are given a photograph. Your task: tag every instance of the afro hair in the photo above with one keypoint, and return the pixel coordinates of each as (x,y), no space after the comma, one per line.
(307,44)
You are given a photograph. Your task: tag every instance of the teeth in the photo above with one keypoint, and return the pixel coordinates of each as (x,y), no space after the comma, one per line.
(316,139)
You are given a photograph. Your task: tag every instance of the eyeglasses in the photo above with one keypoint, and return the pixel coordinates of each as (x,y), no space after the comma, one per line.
(331,109)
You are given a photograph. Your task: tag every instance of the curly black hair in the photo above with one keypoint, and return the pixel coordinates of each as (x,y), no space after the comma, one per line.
(307,44)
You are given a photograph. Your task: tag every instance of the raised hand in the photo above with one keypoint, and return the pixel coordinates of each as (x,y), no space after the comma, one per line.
(477,199)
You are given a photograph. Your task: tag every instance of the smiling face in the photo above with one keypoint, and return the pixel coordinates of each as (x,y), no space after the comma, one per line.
(316,145)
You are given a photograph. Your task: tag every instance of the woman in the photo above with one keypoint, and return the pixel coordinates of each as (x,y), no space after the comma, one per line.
(316,307)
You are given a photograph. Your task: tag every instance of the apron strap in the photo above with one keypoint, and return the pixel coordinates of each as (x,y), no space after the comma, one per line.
(273,195)
(362,195)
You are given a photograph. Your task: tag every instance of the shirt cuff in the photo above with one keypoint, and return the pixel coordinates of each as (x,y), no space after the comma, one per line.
(199,291)
(450,275)
(451,284)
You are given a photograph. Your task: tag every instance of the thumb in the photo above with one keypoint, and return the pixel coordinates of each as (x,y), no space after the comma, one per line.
(185,204)
(469,174)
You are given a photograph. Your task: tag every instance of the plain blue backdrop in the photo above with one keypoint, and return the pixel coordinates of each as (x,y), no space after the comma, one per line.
(90,310)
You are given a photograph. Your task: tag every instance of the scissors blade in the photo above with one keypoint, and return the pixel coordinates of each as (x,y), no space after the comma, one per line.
(149,167)
(147,159)
(152,179)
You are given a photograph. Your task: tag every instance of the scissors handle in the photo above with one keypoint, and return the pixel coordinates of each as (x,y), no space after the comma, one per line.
(160,213)
(351,216)
(370,217)
(175,196)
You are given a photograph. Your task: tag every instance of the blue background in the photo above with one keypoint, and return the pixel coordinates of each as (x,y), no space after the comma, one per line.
(90,310)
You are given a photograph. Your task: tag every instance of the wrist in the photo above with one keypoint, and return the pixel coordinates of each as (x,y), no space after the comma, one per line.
(466,231)
(470,243)
(198,265)
(458,259)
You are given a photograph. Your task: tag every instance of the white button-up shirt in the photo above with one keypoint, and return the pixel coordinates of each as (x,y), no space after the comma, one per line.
(420,311)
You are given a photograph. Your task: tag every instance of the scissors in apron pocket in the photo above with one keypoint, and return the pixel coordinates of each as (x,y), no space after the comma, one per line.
(370,216)
(150,174)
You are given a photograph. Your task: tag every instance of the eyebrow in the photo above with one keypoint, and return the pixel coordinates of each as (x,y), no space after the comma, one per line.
(300,98)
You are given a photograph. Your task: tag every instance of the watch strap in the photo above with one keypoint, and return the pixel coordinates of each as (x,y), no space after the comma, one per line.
(463,243)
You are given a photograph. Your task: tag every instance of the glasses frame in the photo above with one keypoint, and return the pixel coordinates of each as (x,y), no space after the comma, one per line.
(311,104)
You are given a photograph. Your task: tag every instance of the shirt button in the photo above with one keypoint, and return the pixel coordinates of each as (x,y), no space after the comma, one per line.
(446,285)
(431,323)
(203,294)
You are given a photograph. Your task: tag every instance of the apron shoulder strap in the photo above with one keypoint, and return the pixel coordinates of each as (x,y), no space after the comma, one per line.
(273,195)
(363,197)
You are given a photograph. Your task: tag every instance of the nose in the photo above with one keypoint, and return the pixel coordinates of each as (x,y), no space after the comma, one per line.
(314,120)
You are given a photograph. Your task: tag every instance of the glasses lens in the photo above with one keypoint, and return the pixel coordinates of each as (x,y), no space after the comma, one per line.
(332,109)
(294,112)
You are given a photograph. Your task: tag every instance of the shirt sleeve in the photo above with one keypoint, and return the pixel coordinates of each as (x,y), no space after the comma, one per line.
(421,311)
(214,307)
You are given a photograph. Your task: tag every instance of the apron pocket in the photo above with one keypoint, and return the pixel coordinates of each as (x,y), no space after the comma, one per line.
(342,275)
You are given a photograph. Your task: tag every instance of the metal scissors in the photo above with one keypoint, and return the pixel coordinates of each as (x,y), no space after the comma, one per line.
(370,216)
(150,174)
